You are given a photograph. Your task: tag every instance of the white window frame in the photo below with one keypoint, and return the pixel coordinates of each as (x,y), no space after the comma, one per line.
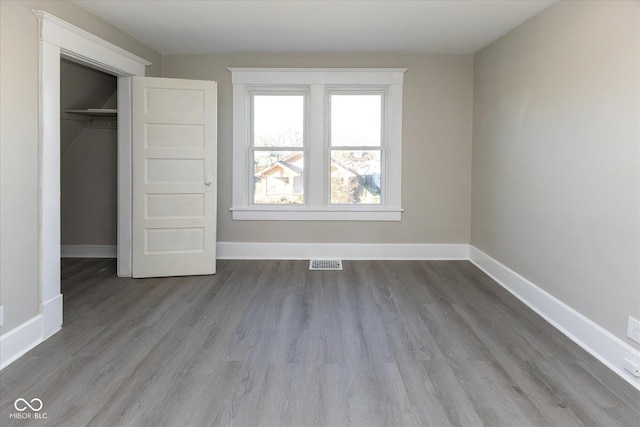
(319,82)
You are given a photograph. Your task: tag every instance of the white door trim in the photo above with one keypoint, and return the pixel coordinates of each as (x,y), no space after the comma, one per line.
(125,178)
(58,39)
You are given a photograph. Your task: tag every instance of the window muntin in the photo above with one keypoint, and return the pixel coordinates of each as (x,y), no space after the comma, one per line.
(277,147)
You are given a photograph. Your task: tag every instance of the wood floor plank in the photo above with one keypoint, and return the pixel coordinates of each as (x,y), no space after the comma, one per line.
(454,337)
(299,397)
(624,392)
(450,391)
(424,402)
(245,404)
(507,348)
(495,397)
(335,391)
(589,413)
(270,343)
(290,337)
(412,331)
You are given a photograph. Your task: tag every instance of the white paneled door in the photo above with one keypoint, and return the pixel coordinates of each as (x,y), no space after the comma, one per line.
(174,177)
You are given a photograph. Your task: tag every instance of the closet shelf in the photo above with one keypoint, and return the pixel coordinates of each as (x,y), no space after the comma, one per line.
(96,112)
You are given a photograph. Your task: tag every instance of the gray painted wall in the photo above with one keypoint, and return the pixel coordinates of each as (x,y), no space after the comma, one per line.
(556,156)
(88,159)
(19,289)
(436,149)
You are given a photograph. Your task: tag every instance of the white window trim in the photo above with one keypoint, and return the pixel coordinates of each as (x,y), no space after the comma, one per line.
(318,81)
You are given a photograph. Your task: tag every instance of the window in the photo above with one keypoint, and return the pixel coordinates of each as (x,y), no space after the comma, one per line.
(317,144)
(356,145)
(277,147)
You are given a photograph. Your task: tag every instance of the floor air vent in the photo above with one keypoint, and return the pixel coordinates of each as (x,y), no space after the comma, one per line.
(325,264)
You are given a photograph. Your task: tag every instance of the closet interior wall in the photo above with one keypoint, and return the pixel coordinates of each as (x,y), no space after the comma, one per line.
(88,159)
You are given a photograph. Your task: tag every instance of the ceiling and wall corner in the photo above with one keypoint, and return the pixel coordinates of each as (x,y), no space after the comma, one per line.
(183,27)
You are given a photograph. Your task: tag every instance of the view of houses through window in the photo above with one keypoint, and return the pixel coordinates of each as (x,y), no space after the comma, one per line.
(356,144)
(278,144)
(279,177)
(355,177)
(279,147)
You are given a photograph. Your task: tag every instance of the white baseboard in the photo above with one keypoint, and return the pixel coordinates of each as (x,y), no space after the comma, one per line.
(18,341)
(88,251)
(51,316)
(600,343)
(347,251)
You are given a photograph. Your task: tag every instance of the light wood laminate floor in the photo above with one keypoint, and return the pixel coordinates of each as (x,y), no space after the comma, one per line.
(269,343)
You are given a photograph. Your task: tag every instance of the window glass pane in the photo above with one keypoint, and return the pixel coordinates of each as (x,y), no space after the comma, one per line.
(278,120)
(355,176)
(278,177)
(356,120)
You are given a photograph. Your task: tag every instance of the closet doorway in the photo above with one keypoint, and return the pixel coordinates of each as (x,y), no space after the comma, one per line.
(88,162)
(60,40)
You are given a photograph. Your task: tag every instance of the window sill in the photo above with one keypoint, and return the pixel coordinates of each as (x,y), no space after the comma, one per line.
(306,214)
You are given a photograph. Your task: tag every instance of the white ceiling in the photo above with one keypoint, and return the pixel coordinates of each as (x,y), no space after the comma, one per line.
(307,26)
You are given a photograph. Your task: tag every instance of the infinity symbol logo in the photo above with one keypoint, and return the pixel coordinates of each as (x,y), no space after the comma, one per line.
(21,404)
